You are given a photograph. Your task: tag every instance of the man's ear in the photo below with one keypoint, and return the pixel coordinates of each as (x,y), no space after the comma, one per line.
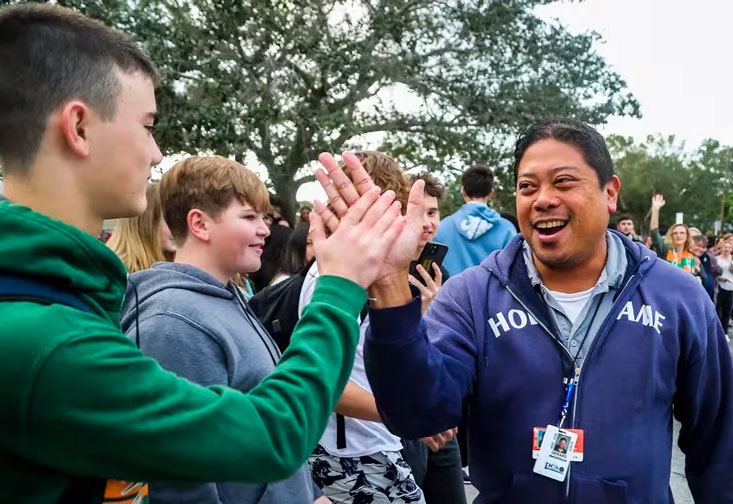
(74,122)
(199,224)
(491,194)
(612,188)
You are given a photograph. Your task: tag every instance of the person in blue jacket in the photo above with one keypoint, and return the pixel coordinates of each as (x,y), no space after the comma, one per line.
(567,301)
(475,230)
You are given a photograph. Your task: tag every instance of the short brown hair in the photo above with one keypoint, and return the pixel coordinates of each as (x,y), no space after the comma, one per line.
(433,187)
(386,173)
(48,56)
(209,184)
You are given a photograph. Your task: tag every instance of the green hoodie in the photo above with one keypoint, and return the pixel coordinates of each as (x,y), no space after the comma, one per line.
(80,400)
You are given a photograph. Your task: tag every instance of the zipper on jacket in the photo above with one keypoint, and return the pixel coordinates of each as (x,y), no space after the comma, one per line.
(576,378)
(601,331)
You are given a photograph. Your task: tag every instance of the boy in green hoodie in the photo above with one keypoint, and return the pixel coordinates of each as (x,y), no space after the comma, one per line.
(81,404)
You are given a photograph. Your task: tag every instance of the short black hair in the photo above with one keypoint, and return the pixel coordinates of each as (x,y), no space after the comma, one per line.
(478,181)
(49,55)
(625,217)
(576,133)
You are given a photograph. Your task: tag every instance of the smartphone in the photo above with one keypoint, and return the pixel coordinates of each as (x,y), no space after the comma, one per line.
(432,253)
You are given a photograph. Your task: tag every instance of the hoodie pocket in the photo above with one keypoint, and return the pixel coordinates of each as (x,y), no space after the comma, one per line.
(530,488)
(598,491)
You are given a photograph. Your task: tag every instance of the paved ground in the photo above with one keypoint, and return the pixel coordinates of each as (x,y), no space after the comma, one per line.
(678,482)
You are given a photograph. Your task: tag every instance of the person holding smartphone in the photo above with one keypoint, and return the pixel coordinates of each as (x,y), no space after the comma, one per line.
(438,471)
(428,282)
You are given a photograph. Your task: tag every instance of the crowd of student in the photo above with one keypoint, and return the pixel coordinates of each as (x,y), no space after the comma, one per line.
(168,364)
(706,257)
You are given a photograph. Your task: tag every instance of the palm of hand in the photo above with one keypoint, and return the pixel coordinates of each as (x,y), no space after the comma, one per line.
(403,250)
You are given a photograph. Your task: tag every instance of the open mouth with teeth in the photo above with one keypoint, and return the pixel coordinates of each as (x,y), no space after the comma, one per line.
(550,227)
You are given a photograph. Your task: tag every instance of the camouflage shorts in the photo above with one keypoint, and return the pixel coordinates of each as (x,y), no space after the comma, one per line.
(382,477)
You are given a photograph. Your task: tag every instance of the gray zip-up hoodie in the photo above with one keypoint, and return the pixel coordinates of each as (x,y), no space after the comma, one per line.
(201,329)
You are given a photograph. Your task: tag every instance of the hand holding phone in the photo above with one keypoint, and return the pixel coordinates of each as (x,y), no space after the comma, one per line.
(432,253)
(425,273)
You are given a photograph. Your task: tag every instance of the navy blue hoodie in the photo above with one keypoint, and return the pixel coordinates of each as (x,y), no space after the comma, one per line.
(492,345)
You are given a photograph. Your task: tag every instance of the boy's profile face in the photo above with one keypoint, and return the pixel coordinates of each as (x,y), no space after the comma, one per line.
(122,150)
(237,238)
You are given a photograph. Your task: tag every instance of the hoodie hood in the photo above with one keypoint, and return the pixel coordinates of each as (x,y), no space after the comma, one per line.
(47,250)
(163,276)
(476,219)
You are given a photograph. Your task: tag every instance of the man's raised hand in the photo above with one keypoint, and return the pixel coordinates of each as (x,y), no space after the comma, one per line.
(342,191)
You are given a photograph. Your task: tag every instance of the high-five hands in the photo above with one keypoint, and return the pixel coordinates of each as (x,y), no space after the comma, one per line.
(357,247)
(345,193)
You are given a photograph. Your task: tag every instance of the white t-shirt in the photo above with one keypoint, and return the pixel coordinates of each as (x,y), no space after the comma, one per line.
(573,303)
(725,280)
(362,436)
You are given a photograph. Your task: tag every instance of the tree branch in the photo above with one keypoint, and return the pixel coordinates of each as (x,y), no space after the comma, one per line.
(305,179)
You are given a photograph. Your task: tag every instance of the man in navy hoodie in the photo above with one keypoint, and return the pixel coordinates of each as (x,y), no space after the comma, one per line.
(568,301)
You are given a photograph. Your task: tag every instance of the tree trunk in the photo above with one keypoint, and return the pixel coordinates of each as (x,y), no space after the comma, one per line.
(285,190)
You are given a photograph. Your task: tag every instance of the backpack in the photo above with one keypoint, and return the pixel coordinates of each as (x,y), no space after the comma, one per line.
(17,288)
(277,307)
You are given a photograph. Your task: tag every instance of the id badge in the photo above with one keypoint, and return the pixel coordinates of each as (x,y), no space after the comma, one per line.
(575,456)
(554,457)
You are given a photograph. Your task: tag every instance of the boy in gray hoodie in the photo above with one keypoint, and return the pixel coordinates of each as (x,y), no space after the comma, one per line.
(190,316)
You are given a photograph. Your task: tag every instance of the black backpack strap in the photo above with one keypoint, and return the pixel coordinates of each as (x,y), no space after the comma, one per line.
(17,288)
(340,432)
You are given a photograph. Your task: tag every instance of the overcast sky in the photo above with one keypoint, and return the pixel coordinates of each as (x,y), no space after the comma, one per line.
(676,57)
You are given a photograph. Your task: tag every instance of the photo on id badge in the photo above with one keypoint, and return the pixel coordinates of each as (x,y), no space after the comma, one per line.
(576,455)
(553,459)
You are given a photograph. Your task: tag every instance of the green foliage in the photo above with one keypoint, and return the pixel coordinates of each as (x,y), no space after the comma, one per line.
(440,83)
(693,183)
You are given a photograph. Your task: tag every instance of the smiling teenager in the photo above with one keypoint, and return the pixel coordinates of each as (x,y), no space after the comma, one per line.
(82,407)
(190,317)
(566,302)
